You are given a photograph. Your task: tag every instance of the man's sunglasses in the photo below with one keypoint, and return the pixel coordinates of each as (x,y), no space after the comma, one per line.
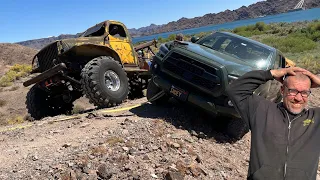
(294,92)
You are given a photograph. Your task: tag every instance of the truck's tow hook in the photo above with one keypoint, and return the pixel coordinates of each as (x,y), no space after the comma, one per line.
(157,96)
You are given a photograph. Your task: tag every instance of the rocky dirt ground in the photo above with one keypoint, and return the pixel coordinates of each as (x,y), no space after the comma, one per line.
(146,142)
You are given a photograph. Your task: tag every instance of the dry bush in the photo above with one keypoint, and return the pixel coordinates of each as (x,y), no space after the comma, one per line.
(15,72)
(311,63)
(2,102)
(15,120)
(77,109)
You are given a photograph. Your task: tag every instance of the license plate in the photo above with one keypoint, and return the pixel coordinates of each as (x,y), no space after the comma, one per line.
(179,93)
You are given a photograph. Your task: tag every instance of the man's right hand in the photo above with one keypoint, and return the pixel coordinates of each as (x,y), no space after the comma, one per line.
(278,74)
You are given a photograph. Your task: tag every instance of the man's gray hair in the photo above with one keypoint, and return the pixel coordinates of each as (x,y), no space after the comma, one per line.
(299,76)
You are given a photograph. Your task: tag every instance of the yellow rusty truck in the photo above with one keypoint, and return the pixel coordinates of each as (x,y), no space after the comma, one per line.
(101,63)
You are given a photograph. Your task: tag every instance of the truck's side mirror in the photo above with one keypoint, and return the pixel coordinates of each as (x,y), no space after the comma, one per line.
(194,39)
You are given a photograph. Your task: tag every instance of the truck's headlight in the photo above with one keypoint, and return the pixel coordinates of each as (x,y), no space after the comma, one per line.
(232,78)
(163,50)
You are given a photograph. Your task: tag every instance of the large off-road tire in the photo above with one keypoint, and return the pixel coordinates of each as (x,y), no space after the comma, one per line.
(270,90)
(135,88)
(237,128)
(104,82)
(40,104)
(153,90)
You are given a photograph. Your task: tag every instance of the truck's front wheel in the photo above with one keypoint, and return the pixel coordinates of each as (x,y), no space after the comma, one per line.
(41,104)
(152,91)
(104,82)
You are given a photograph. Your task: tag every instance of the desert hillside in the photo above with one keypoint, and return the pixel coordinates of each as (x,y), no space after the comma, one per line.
(11,54)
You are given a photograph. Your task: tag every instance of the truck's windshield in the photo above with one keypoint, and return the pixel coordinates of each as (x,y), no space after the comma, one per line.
(246,51)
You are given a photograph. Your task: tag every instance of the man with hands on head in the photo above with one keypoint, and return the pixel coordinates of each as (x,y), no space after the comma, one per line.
(284,136)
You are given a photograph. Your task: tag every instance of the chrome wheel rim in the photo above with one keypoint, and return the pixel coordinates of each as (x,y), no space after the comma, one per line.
(112,80)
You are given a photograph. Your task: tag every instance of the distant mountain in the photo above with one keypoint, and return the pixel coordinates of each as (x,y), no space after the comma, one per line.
(261,8)
(40,43)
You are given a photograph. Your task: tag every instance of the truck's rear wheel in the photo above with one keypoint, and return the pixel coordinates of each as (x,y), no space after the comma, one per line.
(104,82)
(41,104)
(135,88)
(270,90)
(152,91)
(237,128)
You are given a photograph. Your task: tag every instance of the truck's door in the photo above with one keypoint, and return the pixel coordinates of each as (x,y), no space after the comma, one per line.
(120,41)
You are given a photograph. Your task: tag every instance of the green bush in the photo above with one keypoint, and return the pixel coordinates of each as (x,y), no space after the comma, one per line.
(15,72)
(261,26)
(310,62)
(171,37)
(291,43)
(250,30)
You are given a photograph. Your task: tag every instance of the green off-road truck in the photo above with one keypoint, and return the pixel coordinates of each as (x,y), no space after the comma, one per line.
(101,63)
(198,72)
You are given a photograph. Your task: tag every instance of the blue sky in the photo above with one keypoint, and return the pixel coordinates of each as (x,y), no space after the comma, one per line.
(22,20)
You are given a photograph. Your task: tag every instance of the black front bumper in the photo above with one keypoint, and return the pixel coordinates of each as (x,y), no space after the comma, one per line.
(201,101)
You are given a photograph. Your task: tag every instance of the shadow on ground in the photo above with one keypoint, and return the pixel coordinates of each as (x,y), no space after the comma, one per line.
(188,118)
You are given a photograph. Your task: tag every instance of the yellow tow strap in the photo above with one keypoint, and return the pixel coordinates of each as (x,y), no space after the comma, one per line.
(102,111)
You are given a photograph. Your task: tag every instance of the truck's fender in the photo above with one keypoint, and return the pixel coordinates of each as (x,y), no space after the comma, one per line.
(90,51)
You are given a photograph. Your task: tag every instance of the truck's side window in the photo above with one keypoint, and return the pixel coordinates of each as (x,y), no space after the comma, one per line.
(277,63)
(95,32)
(117,30)
(280,62)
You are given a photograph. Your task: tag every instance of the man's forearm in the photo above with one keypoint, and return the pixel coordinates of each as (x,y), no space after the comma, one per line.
(248,83)
(242,89)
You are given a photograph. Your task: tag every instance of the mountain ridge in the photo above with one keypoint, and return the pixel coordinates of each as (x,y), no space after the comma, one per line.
(261,8)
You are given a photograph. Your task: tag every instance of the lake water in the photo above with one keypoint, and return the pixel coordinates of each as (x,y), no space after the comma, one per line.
(305,15)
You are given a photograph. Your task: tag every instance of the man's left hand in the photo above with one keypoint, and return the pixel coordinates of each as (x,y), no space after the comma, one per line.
(315,80)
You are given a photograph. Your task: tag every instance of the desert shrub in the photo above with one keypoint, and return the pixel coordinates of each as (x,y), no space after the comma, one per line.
(171,37)
(15,72)
(250,30)
(239,29)
(291,43)
(2,102)
(314,26)
(13,88)
(77,109)
(310,62)
(15,120)
(261,26)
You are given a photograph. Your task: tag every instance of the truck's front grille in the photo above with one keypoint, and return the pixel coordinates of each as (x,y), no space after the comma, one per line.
(192,71)
(47,55)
